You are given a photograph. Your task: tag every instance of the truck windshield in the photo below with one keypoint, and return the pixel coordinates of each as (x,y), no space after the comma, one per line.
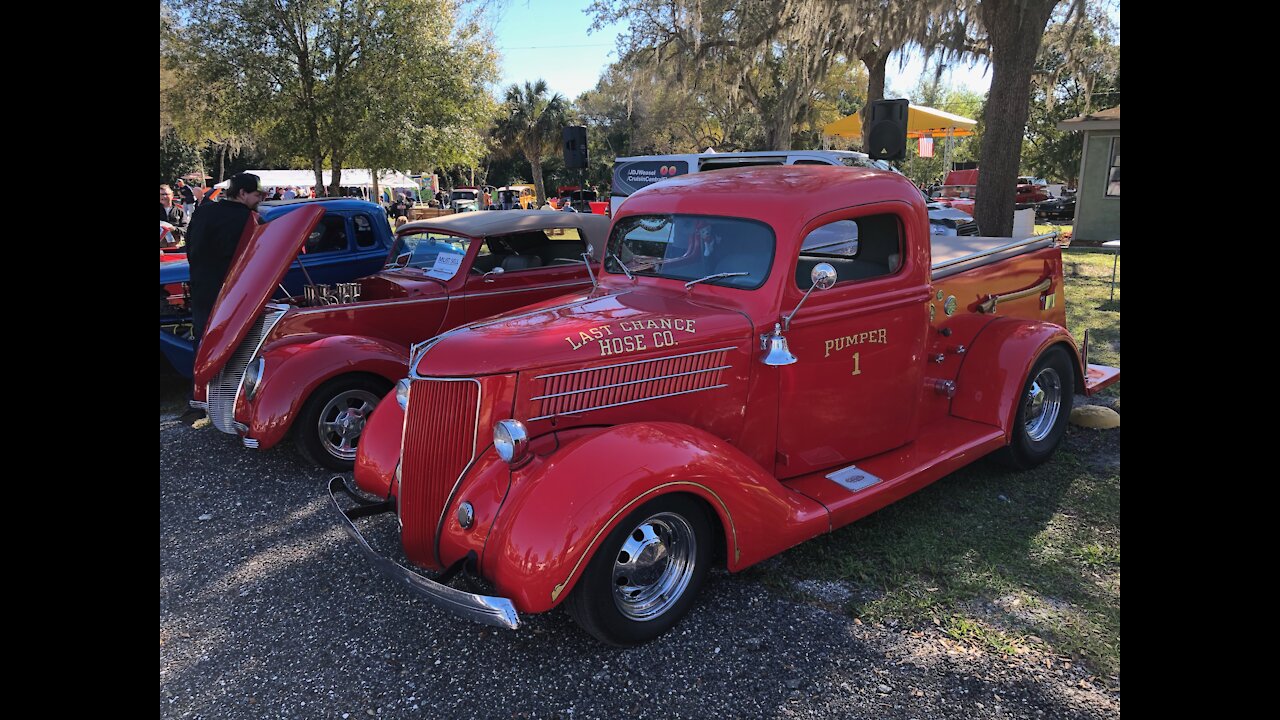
(689,247)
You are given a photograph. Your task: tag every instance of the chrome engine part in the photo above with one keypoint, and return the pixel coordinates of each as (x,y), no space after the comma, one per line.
(341,293)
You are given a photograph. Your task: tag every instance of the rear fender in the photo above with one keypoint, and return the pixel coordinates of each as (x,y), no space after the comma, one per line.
(561,506)
(294,370)
(996,366)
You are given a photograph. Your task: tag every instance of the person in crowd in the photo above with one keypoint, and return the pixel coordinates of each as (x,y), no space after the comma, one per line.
(546,205)
(185,196)
(399,207)
(401,221)
(211,243)
(566,205)
(289,193)
(171,212)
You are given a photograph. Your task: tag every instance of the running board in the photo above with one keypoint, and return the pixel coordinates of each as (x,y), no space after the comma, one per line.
(1097,377)
(941,447)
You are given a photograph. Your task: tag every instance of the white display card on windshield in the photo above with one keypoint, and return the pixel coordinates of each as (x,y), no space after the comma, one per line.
(446,266)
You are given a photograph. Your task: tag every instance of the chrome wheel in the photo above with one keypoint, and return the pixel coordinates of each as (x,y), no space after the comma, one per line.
(654,566)
(342,420)
(1042,404)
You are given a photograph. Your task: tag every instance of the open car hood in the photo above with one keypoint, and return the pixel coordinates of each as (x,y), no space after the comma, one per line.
(261,262)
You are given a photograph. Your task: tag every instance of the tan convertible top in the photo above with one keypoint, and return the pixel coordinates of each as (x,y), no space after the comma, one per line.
(505,222)
(485,223)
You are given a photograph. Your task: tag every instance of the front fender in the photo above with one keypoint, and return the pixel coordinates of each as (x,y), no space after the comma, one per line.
(559,507)
(293,371)
(379,450)
(997,363)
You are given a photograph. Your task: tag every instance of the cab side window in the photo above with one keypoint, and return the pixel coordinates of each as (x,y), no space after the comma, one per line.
(364,231)
(329,236)
(861,249)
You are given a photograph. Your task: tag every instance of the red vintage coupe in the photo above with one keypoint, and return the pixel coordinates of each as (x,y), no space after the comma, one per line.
(317,364)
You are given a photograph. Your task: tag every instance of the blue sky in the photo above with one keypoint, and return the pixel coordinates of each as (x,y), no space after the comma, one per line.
(548,39)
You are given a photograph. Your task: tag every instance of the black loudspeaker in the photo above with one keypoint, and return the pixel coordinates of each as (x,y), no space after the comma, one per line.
(575,147)
(887,129)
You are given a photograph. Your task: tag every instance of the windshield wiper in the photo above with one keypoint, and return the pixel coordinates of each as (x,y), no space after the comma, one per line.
(623,265)
(713,276)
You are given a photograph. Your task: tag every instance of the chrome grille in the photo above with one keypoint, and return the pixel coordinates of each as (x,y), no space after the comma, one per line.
(595,388)
(440,436)
(225,386)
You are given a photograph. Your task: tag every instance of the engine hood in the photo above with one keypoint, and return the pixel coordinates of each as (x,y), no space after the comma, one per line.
(260,264)
(632,324)
(406,283)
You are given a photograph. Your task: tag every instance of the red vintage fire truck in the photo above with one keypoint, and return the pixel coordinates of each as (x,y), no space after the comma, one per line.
(770,354)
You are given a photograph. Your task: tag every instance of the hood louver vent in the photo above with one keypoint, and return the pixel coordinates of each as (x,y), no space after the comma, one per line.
(579,391)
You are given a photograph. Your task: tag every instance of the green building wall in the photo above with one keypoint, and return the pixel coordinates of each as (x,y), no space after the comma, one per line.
(1097,216)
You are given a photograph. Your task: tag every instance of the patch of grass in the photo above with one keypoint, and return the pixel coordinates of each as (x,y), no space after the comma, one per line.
(963,628)
(1096,555)
(992,556)
(1090,306)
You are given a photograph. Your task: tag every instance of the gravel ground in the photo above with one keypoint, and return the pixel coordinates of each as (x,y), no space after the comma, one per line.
(268,610)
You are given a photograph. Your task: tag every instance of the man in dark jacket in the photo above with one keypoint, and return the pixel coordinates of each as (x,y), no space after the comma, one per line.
(212,238)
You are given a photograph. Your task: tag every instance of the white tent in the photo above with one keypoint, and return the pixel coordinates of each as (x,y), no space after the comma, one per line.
(355,177)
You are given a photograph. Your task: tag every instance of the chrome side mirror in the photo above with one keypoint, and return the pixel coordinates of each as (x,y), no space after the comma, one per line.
(496,271)
(823,276)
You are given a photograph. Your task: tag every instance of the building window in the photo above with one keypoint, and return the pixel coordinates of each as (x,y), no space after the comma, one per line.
(1113,174)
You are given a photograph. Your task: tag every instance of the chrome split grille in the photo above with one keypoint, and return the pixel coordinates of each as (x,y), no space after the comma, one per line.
(225,386)
(579,391)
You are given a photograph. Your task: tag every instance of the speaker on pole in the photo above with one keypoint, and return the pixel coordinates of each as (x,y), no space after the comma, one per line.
(575,147)
(887,129)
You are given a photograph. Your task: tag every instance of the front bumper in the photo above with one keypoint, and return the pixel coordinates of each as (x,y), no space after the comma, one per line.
(485,609)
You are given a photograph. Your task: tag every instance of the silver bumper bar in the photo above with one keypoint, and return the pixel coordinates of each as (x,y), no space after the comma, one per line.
(480,608)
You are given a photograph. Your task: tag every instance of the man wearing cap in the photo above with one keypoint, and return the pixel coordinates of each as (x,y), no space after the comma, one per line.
(212,238)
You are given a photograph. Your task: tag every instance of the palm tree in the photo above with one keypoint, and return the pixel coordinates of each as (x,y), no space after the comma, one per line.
(532,125)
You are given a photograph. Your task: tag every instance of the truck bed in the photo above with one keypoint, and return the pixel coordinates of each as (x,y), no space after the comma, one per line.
(954,254)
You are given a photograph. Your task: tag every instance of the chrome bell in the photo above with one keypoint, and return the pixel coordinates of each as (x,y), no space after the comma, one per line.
(776,343)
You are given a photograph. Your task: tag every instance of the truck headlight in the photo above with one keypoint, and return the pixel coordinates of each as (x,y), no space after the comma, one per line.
(402,393)
(253,377)
(511,440)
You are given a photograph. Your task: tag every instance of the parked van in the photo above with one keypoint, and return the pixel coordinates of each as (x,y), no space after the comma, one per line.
(632,173)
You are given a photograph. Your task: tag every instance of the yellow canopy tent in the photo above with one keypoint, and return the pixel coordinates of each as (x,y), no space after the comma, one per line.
(921,121)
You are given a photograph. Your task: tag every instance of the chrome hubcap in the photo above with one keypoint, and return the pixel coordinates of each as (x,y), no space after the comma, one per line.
(1042,404)
(342,421)
(654,566)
